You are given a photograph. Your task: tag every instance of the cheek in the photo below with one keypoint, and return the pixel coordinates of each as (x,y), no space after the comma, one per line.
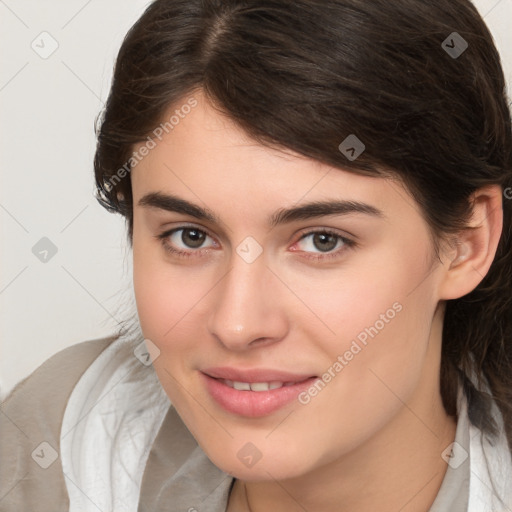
(372,368)
(155,306)
(164,306)
(161,298)
(376,297)
(367,333)
(374,328)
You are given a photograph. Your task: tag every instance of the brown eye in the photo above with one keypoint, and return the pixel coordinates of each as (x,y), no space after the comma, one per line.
(325,242)
(193,238)
(323,245)
(186,241)
(321,242)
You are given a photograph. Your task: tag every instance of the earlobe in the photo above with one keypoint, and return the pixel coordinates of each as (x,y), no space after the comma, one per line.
(475,246)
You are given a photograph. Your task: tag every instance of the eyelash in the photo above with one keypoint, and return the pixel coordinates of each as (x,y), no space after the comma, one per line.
(347,243)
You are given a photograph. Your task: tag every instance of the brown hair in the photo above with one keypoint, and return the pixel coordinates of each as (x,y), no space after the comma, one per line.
(304,75)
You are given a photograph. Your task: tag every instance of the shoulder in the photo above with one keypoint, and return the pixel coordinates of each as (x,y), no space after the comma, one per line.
(66,366)
(30,422)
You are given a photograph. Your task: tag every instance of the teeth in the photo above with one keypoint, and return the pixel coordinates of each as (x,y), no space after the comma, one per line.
(260,386)
(255,386)
(242,386)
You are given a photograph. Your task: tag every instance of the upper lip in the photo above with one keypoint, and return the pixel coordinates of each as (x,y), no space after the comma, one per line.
(251,375)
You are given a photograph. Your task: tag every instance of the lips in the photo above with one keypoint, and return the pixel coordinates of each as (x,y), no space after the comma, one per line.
(253,392)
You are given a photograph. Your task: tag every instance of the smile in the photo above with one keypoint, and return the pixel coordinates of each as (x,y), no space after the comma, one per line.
(253,393)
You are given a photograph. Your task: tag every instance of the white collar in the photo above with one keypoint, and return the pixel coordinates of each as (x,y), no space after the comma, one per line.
(491,470)
(111,420)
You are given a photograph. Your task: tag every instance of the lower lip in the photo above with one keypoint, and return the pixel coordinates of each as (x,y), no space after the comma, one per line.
(254,404)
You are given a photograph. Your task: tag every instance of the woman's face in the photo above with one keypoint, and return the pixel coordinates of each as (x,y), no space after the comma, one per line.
(238,279)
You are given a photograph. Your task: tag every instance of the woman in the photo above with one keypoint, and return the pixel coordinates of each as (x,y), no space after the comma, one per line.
(318,199)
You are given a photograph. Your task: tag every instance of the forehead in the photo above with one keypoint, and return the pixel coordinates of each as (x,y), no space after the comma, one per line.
(205,157)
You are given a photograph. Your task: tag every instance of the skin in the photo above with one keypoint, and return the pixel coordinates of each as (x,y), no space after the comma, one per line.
(372,438)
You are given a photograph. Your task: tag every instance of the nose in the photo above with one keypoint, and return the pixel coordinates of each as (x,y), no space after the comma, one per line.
(248,309)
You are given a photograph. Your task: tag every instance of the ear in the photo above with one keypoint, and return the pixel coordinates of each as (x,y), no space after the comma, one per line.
(474,249)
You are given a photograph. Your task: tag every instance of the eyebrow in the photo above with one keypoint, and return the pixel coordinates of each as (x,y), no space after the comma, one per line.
(306,211)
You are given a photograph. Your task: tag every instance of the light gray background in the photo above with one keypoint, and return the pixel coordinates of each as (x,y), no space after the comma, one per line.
(47,111)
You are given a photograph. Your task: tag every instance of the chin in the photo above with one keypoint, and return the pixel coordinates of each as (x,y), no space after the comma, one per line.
(273,465)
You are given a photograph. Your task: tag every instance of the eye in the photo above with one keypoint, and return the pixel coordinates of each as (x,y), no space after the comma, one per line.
(323,244)
(185,241)
(188,241)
